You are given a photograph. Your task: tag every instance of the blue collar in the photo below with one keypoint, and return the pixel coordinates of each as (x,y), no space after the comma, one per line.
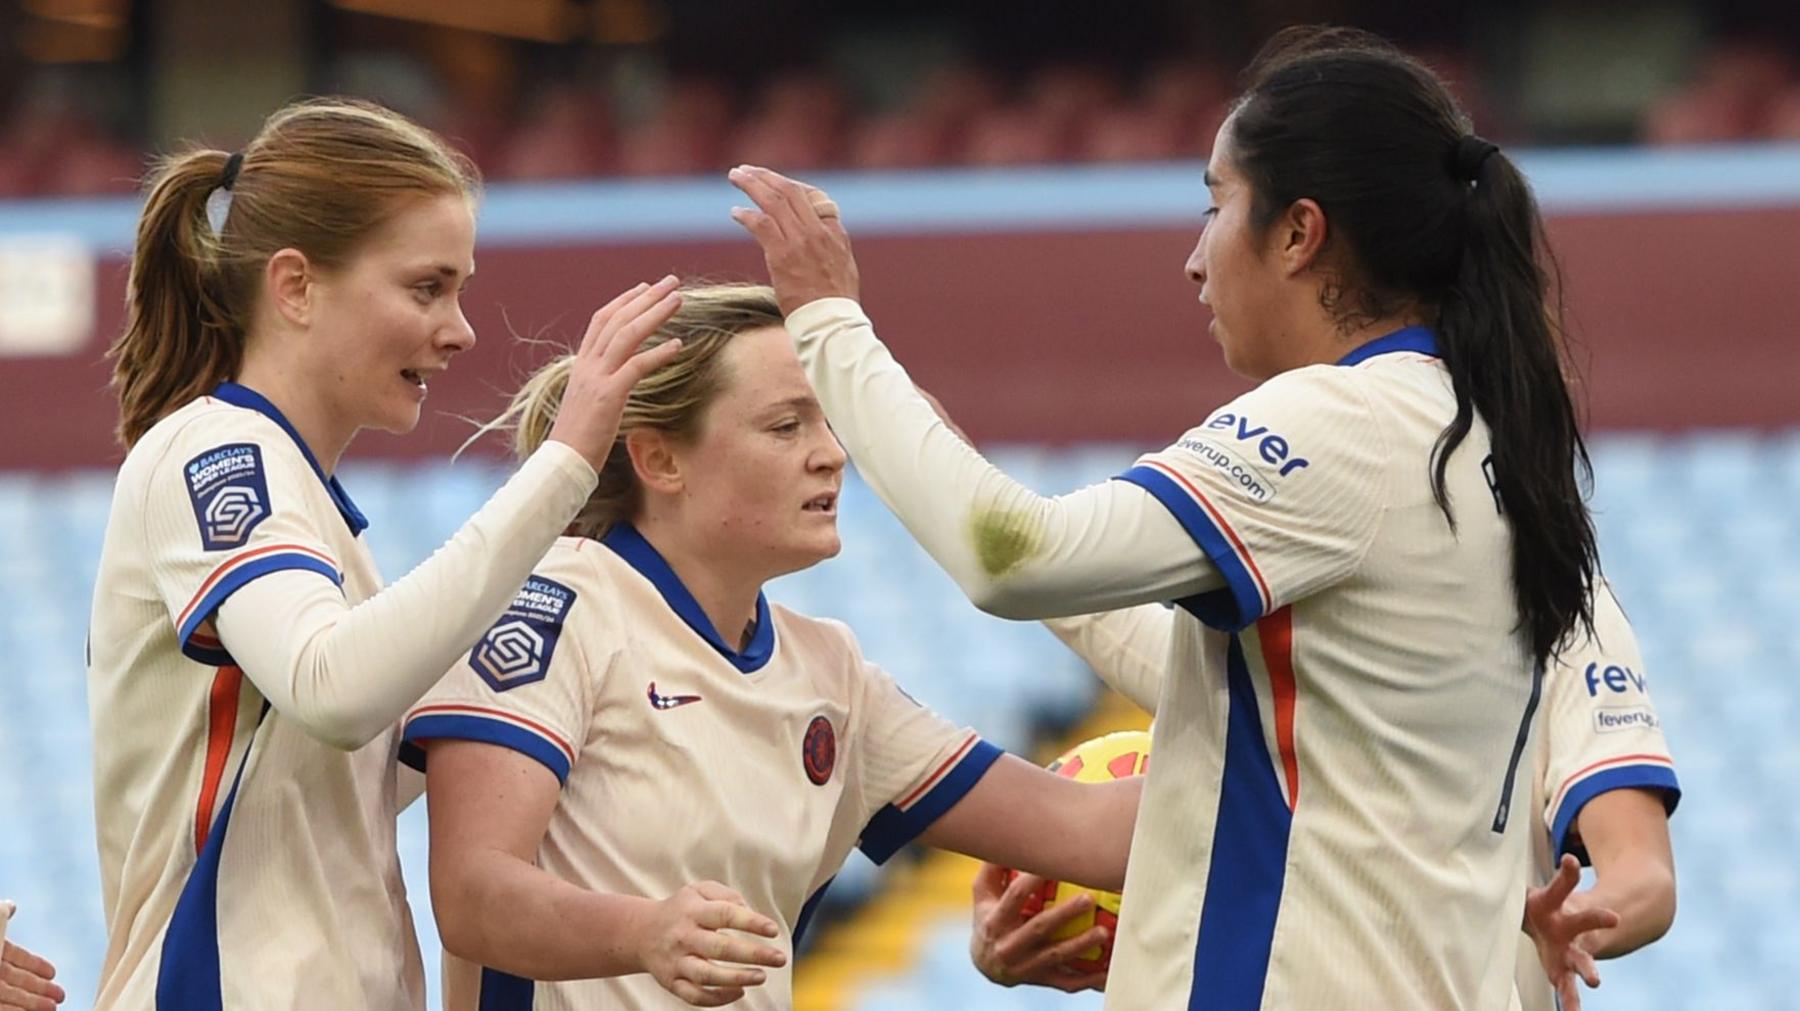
(244,396)
(1412,338)
(641,555)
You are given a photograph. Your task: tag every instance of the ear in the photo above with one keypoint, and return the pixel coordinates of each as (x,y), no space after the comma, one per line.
(1299,235)
(654,461)
(289,279)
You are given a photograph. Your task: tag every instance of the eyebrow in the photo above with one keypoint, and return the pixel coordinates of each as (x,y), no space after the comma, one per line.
(805,403)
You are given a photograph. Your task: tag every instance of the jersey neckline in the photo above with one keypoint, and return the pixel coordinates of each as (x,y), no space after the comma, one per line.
(1419,339)
(640,554)
(239,395)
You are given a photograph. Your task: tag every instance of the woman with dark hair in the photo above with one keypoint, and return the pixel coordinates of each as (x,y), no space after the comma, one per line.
(1375,552)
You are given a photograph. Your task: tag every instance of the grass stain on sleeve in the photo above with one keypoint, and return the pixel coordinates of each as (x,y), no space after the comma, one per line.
(1004,538)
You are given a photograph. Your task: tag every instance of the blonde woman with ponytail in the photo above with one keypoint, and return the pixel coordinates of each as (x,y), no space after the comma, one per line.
(645,774)
(247,666)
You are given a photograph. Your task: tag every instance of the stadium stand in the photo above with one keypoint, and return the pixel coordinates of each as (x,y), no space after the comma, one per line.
(1698,533)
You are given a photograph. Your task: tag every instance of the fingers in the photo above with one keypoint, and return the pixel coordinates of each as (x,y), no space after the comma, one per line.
(634,322)
(757,186)
(702,997)
(1568,875)
(1568,994)
(597,322)
(732,916)
(14,956)
(1075,982)
(1585,965)
(707,973)
(1051,960)
(989,884)
(1590,919)
(1012,901)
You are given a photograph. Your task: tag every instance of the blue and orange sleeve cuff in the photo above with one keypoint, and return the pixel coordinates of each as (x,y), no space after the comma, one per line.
(894,826)
(1655,778)
(227,579)
(1241,604)
(488,729)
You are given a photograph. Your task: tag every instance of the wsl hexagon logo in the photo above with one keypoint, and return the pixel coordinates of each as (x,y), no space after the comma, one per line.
(230,493)
(232,513)
(518,649)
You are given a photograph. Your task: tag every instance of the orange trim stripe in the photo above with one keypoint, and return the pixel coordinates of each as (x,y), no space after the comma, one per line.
(938,774)
(221,726)
(1563,790)
(542,731)
(1276,633)
(1219,518)
(238,559)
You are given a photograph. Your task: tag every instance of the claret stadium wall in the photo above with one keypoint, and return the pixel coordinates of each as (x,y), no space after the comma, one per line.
(1047,305)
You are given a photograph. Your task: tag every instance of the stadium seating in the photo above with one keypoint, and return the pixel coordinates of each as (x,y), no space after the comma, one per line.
(1698,533)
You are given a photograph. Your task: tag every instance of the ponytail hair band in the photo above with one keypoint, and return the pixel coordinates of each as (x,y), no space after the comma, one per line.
(232,165)
(1471,153)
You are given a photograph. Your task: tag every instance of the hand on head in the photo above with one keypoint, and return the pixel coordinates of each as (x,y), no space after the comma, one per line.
(608,365)
(802,237)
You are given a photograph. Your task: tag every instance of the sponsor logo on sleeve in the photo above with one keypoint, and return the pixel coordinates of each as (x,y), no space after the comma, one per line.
(517,650)
(1247,456)
(230,494)
(1610,719)
(1614,679)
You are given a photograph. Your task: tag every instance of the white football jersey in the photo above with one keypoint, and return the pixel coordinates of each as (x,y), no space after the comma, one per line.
(1329,820)
(1601,733)
(683,759)
(304,906)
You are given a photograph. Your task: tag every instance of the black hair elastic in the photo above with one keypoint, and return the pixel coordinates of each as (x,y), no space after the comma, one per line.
(232,164)
(1471,152)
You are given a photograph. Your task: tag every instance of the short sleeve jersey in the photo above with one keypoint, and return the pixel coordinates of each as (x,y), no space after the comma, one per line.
(1328,822)
(683,758)
(1602,733)
(237,853)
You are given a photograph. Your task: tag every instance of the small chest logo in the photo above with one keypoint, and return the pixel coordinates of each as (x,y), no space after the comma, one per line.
(661,702)
(818,753)
(229,492)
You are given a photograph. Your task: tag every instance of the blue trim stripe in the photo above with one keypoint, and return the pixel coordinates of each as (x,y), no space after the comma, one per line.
(243,396)
(188,977)
(1249,860)
(892,828)
(807,911)
(1413,338)
(1246,600)
(234,581)
(1619,777)
(502,991)
(641,555)
(470,727)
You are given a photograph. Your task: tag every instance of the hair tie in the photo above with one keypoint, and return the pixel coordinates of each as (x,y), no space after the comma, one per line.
(1471,153)
(232,164)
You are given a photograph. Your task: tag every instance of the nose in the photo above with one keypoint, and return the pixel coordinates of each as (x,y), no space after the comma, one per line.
(1196,262)
(829,457)
(458,336)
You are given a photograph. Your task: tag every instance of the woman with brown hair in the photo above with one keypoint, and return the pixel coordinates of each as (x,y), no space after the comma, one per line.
(247,668)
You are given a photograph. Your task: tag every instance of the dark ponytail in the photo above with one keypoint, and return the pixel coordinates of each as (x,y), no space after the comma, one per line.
(1426,217)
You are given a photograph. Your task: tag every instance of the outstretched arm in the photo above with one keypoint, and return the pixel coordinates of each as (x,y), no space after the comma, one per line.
(1022,816)
(1015,553)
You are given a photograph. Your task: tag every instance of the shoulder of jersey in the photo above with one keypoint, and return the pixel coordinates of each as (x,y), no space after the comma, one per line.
(816,636)
(199,425)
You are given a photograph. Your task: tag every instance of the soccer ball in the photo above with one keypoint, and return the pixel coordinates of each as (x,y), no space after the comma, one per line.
(1114,756)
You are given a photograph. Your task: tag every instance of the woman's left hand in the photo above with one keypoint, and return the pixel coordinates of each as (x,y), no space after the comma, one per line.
(1557,924)
(802,238)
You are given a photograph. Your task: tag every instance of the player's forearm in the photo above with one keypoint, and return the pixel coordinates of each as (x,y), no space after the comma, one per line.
(348,673)
(1642,891)
(1128,649)
(1015,553)
(502,912)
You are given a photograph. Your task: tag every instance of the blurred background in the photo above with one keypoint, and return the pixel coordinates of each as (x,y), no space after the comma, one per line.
(1023,181)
